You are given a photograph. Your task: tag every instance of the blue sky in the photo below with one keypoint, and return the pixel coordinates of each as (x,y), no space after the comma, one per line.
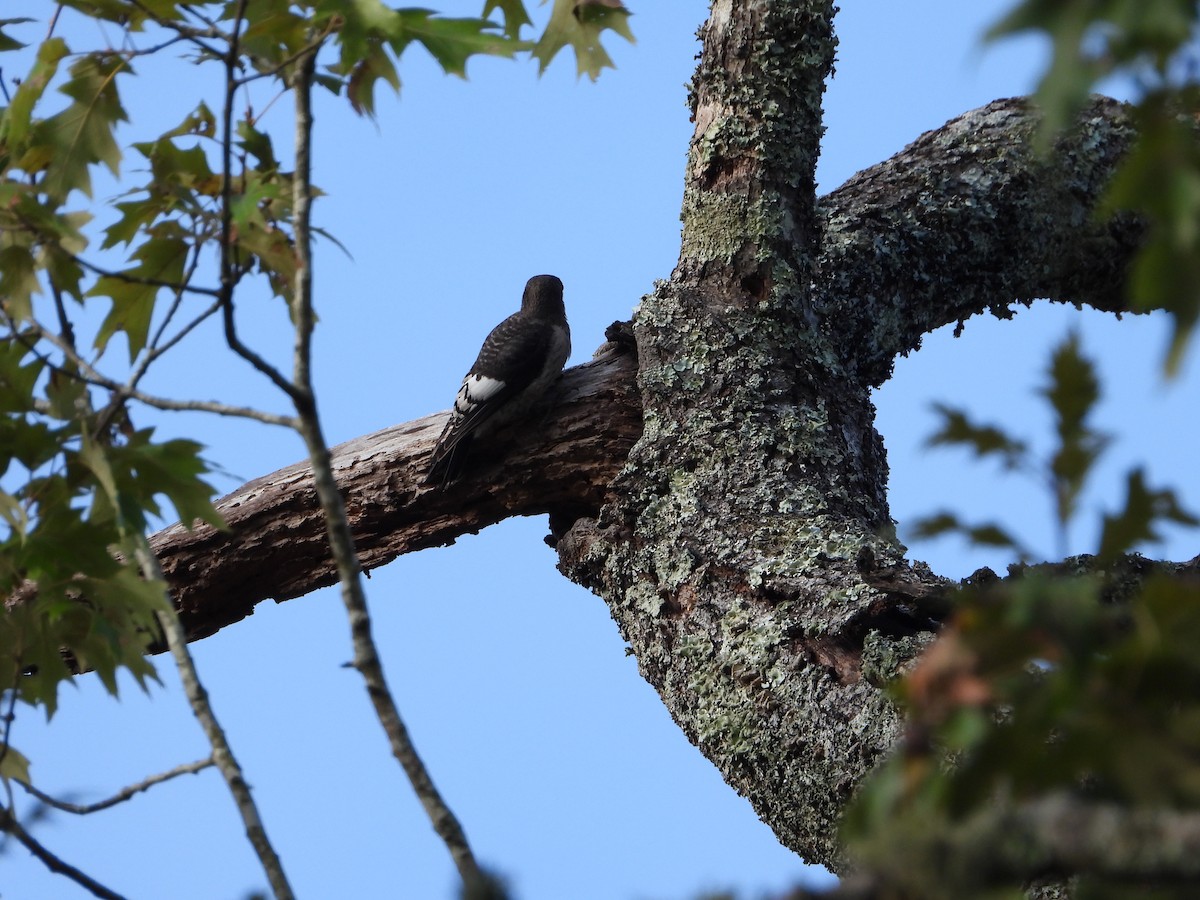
(566,771)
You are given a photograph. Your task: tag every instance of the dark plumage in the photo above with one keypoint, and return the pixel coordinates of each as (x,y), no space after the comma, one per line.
(517,363)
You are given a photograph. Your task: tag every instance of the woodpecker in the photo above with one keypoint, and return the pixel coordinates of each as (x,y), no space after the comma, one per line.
(517,363)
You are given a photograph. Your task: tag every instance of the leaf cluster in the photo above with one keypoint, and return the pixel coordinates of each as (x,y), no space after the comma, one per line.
(1072,392)
(1051,685)
(1077,683)
(80,485)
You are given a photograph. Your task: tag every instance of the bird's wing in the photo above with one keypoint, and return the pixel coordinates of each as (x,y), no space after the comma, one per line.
(511,358)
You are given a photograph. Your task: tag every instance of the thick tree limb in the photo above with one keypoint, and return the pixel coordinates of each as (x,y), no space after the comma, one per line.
(969,218)
(748,554)
(276,546)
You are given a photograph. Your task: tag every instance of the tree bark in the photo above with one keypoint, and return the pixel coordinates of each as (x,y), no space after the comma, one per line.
(730,505)
(748,553)
(275,547)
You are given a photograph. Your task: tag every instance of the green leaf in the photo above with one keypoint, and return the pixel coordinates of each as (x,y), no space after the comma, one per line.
(273,252)
(247,208)
(18,281)
(367,29)
(515,15)
(131,476)
(173,469)
(580,25)
(1073,392)
(32,444)
(123,625)
(10,43)
(453,41)
(135,216)
(64,271)
(199,123)
(132,14)
(1160,180)
(17,380)
(274,33)
(14,766)
(175,167)
(133,291)
(15,122)
(258,145)
(1135,524)
(82,134)
(986,535)
(373,65)
(984,440)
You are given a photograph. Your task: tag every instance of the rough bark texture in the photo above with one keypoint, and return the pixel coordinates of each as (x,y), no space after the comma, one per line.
(748,554)
(745,548)
(275,546)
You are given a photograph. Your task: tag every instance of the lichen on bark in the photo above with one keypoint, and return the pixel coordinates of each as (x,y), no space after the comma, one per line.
(746,550)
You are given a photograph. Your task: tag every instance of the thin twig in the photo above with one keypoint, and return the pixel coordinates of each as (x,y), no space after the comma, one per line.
(188,274)
(155,349)
(131,52)
(53,21)
(89,375)
(64,321)
(223,757)
(307,50)
(228,278)
(124,794)
(150,282)
(195,35)
(341,538)
(10,825)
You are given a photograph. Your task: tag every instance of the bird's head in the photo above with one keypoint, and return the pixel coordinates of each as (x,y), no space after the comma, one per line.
(543,298)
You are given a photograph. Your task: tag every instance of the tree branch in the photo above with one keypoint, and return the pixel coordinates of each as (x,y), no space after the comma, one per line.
(122,795)
(276,547)
(333,508)
(84,371)
(222,753)
(10,825)
(969,218)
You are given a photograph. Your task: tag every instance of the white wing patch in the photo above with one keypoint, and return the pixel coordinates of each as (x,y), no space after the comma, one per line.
(475,391)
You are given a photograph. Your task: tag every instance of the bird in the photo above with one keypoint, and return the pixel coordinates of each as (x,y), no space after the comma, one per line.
(519,360)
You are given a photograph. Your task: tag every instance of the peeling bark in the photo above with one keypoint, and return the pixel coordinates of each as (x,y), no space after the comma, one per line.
(744,543)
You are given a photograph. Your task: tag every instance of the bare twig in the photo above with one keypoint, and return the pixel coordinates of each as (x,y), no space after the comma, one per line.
(122,795)
(10,825)
(88,374)
(131,52)
(196,35)
(64,321)
(341,539)
(150,282)
(156,350)
(58,8)
(188,274)
(222,756)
